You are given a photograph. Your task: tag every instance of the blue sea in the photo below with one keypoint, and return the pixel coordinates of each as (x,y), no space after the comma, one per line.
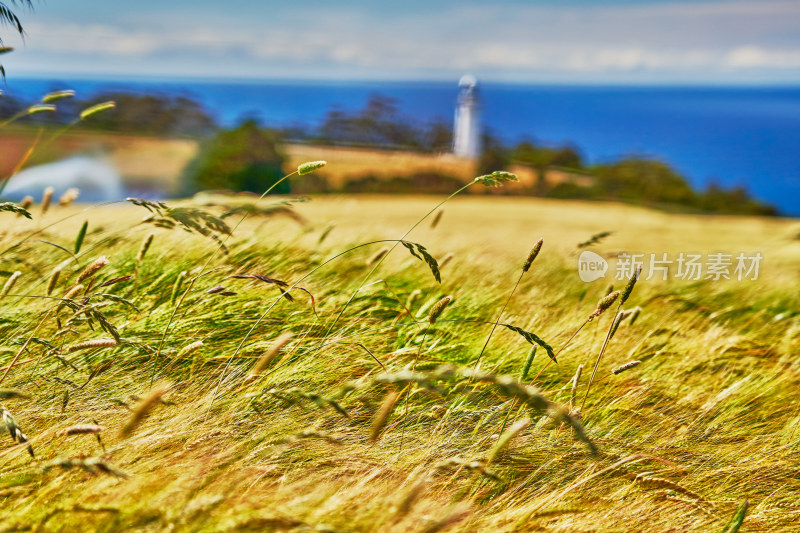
(742,136)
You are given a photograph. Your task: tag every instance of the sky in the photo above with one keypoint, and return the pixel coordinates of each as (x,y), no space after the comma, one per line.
(567,41)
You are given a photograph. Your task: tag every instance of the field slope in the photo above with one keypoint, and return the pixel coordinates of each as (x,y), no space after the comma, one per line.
(371,418)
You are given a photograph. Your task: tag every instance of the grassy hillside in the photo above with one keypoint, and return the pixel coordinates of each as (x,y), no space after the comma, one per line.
(372,418)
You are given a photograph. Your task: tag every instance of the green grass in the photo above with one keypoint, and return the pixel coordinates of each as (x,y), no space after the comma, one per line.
(708,420)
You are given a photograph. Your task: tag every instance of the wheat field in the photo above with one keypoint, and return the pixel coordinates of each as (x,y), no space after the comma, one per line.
(159,374)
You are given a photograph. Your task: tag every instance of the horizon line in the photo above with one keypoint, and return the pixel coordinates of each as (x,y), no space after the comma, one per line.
(245,80)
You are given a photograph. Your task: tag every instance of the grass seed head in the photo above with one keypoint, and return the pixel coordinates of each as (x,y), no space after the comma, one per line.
(438,309)
(437,218)
(57,95)
(506,437)
(532,256)
(268,356)
(13,429)
(626,292)
(47,197)
(659,483)
(83,429)
(377,256)
(626,366)
(310,166)
(10,283)
(69,196)
(189,349)
(91,345)
(496,178)
(81,235)
(575,380)
(35,109)
(143,408)
(382,415)
(410,496)
(177,286)
(93,268)
(26,202)
(99,108)
(145,246)
(526,368)
(604,304)
(72,292)
(635,314)
(617,321)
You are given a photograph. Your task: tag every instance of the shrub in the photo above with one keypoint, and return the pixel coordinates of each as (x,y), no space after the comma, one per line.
(242,159)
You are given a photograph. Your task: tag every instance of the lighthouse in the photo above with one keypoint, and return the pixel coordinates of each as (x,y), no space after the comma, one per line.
(466,130)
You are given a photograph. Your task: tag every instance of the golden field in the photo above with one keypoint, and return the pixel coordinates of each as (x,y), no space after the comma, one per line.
(372,416)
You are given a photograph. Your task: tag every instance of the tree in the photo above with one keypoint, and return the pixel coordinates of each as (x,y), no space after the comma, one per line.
(242,159)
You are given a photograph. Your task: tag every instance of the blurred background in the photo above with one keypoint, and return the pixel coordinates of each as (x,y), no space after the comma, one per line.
(683,105)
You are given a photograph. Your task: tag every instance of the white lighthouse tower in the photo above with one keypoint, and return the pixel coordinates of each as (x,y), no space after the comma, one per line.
(466,131)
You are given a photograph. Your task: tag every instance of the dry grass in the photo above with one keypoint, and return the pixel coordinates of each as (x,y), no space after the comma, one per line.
(322,440)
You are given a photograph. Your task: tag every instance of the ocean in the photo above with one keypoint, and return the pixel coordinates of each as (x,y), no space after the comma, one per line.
(734,136)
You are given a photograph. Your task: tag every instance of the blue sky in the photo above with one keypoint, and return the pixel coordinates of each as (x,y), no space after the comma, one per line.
(567,41)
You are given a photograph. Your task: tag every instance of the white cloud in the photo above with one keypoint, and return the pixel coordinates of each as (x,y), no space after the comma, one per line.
(749,57)
(694,39)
